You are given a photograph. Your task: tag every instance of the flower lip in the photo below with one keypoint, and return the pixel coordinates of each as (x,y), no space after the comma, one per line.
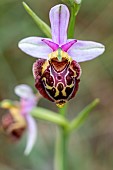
(13,124)
(58,81)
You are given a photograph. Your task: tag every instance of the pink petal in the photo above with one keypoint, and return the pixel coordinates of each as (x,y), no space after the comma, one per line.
(85,50)
(32,134)
(59,18)
(35,47)
(65,47)
(27,104)
(51,44)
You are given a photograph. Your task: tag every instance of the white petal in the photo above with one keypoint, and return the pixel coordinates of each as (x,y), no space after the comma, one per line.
(24,91)
(35,47)
(32,134)
(85,50)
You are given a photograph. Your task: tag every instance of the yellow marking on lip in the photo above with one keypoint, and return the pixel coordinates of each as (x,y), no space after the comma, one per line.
(44,66)
(75,73)
(63,55)
(71,85)
(63,91)
(46,85)
(66,56)
(57,92)
(53,55)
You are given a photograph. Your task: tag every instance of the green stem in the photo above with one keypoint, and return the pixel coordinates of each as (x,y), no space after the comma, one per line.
(63,111)
(60,162)
(72,23)
(74,9)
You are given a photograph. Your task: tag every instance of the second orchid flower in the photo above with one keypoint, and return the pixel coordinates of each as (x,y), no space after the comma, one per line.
(18,118)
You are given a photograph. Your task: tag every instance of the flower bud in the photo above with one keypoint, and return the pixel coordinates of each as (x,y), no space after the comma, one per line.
(78,1)
(72,2)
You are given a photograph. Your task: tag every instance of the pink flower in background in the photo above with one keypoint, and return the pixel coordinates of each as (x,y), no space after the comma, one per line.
(18,118)
(57,72)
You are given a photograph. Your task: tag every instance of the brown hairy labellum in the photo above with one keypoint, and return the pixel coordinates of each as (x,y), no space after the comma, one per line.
(57,79)
(13,125)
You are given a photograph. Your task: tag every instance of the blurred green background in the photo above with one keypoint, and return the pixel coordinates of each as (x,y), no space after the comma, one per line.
(90,147)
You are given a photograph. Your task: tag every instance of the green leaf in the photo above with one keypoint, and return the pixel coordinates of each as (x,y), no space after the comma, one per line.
(79,120)
(41,24)
(47,115)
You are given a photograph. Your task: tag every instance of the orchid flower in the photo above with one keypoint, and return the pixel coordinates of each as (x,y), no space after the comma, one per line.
(18,118)
(57,72)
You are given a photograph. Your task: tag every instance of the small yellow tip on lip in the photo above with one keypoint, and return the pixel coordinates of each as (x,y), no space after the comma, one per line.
(60,105)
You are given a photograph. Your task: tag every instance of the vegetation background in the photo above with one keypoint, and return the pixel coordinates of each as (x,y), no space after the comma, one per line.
(91,146)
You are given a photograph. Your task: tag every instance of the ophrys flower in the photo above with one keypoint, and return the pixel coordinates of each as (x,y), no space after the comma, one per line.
(57,72)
